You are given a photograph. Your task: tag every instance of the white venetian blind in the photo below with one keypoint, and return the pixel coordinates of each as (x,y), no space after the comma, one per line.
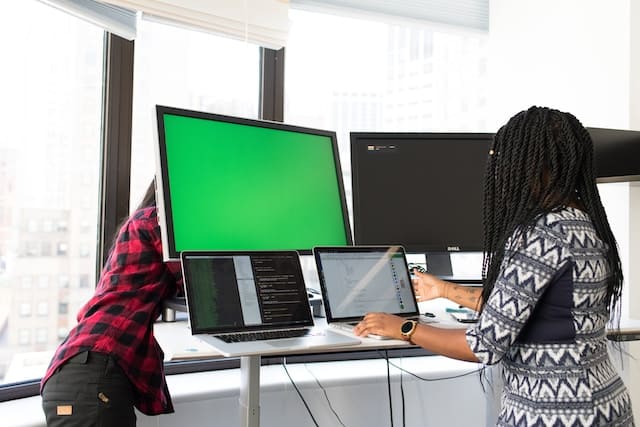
(469,14)
(262,22)
(114,19)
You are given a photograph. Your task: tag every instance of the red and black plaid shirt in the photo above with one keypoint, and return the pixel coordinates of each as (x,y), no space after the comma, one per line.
(118,320)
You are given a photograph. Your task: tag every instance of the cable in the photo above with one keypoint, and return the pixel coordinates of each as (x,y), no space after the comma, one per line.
(284,365)
(401,390)
(325,395)
(402,370)
(402,396)
(386,356)
(475,371)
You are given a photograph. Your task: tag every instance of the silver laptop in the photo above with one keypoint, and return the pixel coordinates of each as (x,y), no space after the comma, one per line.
(252,302)
(356,280)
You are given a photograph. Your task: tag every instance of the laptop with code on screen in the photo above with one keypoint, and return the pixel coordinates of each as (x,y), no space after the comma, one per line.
(356,280)
(252,302)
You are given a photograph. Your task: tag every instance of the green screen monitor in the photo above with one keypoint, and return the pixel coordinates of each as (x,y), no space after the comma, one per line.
(229,183)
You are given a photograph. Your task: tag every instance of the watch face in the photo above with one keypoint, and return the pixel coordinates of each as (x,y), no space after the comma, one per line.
(406,326)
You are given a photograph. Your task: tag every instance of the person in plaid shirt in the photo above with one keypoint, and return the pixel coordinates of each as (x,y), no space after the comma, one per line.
(110,361)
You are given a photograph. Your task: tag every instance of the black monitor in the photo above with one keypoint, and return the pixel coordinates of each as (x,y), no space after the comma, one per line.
(230,183)
(423,191)
(616,154)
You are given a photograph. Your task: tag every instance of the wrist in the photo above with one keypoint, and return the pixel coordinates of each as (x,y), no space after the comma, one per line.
(444,290)
(407,329)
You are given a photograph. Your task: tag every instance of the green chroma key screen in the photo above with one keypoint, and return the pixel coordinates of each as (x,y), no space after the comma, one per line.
(240,184)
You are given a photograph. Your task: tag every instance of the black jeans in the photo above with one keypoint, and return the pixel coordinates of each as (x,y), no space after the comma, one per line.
(89,390)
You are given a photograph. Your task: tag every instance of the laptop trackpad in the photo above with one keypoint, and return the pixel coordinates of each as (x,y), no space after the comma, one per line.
(282,343)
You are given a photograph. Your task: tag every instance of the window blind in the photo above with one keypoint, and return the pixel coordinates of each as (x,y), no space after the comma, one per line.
(262,22)
(115,19)
(469,14)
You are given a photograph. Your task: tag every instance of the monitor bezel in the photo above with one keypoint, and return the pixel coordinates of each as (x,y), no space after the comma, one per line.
(163,199)
(358,138)
(195,329)
(378,249)
(615,154)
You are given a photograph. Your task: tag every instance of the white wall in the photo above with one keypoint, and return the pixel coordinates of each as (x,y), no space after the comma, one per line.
(572,55)
(581,56)
(356,390)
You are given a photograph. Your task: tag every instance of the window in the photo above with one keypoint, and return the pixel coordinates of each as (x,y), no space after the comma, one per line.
(24,337)
(42,309)
(24,309)
(63,307)
(26,281)
(45,249)
(43,281)
(47,225)
(63,281)
(187,69)
(32,225)
(373,76)
(61,249)
(83,281)
(41,336)
(62,226)
(51,120)
(84,250)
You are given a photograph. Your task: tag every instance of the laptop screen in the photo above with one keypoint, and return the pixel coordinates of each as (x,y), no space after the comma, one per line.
(245,291)
(356,280)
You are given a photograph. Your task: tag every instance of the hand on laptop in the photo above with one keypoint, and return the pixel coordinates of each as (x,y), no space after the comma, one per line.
(388,325)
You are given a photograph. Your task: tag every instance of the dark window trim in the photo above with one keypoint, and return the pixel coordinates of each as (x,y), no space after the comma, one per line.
(271,84)
(19,390)
(114,194)
(116,142)
(115,164)
(32,388)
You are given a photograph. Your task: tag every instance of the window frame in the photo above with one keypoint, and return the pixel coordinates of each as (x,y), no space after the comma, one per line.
(114,191)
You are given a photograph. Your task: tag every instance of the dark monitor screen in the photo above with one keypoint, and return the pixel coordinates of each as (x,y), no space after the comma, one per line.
(229,183)
(616,154)
(423,191)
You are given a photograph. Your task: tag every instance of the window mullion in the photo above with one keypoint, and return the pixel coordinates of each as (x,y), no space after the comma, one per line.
(116,141)
(271,84)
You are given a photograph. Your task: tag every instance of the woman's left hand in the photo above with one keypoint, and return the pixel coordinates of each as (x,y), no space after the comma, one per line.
(384,324)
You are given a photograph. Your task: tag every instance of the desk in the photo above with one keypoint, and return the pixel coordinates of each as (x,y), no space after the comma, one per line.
(179,345)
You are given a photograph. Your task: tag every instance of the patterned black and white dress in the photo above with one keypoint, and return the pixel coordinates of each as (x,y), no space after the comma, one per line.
(545,321)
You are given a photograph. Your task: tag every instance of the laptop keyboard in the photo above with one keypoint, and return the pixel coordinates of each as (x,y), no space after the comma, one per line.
(263,335)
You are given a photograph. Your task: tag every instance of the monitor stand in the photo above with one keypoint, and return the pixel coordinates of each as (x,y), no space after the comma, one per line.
(439,264)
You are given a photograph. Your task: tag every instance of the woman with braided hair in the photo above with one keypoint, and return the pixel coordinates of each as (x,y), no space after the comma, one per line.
(552,281)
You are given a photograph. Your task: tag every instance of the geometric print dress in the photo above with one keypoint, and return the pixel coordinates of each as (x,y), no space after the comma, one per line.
(545,322)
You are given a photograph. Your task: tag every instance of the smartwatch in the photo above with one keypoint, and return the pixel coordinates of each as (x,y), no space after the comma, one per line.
(408,328)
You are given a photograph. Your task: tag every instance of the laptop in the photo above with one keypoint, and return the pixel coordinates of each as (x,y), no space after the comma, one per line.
(251,303)
(356,280)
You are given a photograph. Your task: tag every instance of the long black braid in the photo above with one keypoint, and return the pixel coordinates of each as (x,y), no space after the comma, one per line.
(541,161)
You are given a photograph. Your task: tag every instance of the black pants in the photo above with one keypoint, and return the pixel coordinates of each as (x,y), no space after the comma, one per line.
(89,390)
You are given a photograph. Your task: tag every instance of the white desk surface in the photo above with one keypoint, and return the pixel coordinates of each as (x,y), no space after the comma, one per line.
(178,344)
